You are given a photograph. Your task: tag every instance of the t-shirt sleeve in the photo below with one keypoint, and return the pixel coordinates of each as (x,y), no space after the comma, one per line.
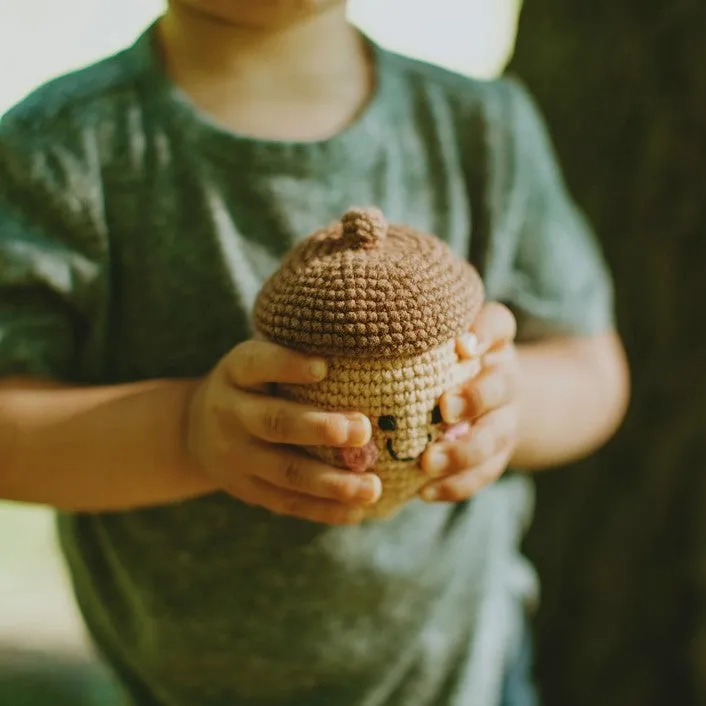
(561,284)
(49,263)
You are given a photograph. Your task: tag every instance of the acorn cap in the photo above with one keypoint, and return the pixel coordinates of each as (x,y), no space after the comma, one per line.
(365,288)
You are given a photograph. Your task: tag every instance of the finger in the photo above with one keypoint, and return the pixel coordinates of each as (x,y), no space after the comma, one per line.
(253,364)
(467,369)
(491,389)
(281,421)
(494,326)
(495,431)
(303,475)
(465,484)
(304,507)
(504,355)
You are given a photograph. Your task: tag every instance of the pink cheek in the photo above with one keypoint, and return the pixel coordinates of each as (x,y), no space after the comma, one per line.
(359,459)
(457,431)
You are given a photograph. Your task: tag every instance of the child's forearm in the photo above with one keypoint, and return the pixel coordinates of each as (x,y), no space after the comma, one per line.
(573,396)
(95,449)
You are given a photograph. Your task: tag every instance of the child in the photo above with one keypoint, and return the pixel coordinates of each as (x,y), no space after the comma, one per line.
(142,203)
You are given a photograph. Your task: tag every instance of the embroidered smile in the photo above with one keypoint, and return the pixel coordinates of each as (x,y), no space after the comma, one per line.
(393,454)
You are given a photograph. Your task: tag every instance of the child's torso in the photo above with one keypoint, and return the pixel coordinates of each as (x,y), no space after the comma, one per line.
(210,601)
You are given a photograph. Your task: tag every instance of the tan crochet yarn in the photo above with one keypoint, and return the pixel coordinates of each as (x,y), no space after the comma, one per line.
(384,304)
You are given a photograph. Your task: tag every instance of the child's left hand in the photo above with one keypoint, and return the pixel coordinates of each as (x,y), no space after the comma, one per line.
(489,401)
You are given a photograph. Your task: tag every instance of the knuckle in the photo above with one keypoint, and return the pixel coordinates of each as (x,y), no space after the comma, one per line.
(485,443)
(476,451)
(330,429)
(496,323)
(496,389)
(461,456)
(224,412)
(491,471)
(220,415)
(293,505)
(244,361)
(454,491)
(276,424)
(483,391)
(289,365)
(295,365)
(248,491)
(475,397)
(293,473)
(342,487)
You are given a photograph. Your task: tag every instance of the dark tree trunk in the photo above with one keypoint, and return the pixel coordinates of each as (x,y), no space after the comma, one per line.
(620,540)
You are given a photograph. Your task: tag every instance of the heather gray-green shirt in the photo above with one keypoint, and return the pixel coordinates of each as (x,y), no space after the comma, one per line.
(134,235)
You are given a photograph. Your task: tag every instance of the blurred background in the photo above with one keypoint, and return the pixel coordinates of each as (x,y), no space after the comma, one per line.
(619,539)
(45,659)
(40,39)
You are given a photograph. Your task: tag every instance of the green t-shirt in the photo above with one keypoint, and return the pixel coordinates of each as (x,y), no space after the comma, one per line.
(134,235)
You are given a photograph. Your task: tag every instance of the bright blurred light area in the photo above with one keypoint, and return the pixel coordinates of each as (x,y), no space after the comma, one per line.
(473,37)
(40,39)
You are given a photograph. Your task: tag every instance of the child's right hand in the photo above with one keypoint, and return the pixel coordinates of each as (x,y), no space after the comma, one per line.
(242,436)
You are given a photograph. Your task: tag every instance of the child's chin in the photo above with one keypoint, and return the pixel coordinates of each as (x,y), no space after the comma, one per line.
(261,14)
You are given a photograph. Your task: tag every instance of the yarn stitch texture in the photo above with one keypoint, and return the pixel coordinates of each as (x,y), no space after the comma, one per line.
(384,304)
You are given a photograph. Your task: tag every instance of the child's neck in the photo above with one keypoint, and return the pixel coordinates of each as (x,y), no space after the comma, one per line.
(304,82)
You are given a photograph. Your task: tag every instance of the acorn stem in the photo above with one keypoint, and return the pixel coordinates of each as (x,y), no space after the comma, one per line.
(363,228)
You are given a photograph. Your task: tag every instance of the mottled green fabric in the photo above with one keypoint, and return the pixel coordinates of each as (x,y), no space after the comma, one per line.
(134,235)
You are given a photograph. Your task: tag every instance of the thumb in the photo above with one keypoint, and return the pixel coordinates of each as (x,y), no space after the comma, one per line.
(494,327)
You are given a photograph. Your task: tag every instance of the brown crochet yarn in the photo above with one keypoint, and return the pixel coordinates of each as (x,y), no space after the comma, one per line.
(384,304)
(365,288)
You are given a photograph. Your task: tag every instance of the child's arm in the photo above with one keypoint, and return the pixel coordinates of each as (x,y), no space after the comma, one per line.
(100,448)
(563,396)
(126,446)
(563,390)
(147,443)
(532,406)
(573,394)
(76,448)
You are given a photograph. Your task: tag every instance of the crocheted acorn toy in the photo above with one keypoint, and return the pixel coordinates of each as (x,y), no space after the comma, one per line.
(384,304)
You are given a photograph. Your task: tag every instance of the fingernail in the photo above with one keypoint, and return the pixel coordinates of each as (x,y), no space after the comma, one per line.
(430,494)
(437,461)
(470,344)
(318,369)
(369,490)
(455,408)
(358,429)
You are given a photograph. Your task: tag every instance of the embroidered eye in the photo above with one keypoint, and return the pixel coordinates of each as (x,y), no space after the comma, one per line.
(436,417)
(387,422)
